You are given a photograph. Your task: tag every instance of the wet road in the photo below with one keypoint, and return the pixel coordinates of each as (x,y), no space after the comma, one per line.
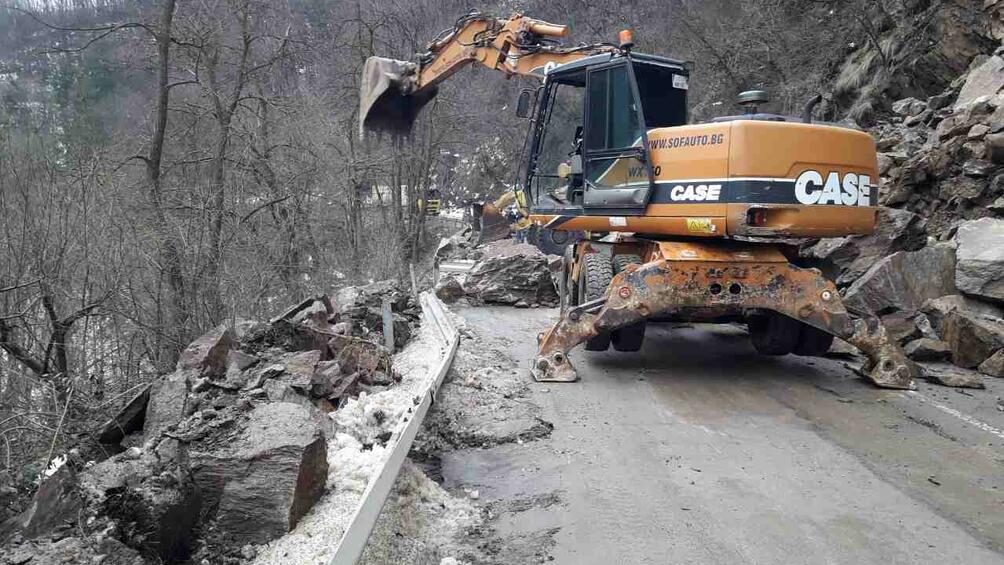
(697,450)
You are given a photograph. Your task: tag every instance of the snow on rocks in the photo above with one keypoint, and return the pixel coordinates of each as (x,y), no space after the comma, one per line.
(357,449)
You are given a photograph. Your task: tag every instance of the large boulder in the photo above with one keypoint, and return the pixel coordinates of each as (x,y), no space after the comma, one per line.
(512,273)
(946,374)
(259,476)
(54,506)
(938,309)
(208,354)
(155,504)
(72,551)
(987,79)
(904,281)
(128,420)
(972,337)
(895,230)
(363,307)
(994,365)
(927,349)
(168,402)
(980,268)
(995,147)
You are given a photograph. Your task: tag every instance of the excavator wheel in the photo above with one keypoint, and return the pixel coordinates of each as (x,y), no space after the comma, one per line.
(629,338)
(774,334)
(594,278)
(551,242)
(812,342)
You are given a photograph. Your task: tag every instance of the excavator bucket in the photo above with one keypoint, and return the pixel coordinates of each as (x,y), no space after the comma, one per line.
(388,101)
(494,225)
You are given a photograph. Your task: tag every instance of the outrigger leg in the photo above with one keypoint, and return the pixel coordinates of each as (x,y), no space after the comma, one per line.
(665,286)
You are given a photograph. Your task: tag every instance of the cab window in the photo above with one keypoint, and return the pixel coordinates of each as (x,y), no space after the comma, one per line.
(613,113)
(560,138)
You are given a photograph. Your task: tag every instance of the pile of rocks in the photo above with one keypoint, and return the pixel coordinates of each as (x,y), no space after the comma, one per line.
(934,269)
(507,272)
(226,453)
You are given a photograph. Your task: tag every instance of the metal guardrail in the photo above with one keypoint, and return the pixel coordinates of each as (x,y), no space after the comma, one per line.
(350,547)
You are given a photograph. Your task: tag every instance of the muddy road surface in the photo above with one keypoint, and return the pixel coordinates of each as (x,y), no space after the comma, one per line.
(697,450)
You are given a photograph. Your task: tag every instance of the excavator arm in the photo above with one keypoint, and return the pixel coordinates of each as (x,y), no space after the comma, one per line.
(392,92)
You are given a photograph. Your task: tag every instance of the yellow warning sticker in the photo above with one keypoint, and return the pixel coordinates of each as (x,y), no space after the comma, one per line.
(700,225)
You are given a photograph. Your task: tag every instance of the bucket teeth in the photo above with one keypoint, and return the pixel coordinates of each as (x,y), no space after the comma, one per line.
(889,367)
(553,369)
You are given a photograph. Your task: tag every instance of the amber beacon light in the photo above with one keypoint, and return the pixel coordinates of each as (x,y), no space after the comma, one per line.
(626,39)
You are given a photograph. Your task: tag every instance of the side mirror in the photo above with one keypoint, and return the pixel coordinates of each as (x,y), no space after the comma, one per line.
(524,105)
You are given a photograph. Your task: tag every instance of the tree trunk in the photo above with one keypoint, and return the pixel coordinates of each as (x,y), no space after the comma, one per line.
(172,326)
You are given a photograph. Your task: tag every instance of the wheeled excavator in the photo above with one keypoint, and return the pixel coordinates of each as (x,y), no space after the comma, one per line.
(682,221)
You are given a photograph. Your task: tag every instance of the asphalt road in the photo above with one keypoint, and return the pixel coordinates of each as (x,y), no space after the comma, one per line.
(697,450)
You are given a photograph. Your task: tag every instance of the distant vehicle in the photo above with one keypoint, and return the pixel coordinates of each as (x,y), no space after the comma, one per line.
(431,204)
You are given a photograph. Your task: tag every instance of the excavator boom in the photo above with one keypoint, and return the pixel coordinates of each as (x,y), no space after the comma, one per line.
(392,92)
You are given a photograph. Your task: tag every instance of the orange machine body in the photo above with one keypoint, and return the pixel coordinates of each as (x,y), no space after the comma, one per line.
(748,178)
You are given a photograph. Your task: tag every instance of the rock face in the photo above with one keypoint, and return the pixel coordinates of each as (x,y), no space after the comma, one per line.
(511,273)
(980,268)
(260,481)
(54,506)
(904,281)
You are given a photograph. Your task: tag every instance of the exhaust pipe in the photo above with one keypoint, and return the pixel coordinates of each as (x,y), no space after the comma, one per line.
(387,98)
(809,107)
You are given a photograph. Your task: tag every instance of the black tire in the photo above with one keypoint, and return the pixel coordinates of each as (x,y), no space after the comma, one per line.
(622,260)
(551,242)
(594,278)
(812,342)
(774,334)
(629,338)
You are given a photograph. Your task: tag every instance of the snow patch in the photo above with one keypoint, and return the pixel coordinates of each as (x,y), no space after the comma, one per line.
(356,451)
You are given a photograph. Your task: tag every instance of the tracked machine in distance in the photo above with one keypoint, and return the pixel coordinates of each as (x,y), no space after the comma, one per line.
(683,222)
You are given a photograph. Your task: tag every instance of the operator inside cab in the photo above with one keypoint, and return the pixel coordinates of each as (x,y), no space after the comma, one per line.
(601,107)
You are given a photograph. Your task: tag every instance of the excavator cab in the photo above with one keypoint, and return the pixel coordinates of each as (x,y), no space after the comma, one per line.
(589,140)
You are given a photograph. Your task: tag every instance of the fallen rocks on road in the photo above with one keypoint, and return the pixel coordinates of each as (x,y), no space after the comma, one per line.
(980,268)
(972,337)
(511,273)
(947,374)
(927,349)
(895,230)
(228,451)
(905,280)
